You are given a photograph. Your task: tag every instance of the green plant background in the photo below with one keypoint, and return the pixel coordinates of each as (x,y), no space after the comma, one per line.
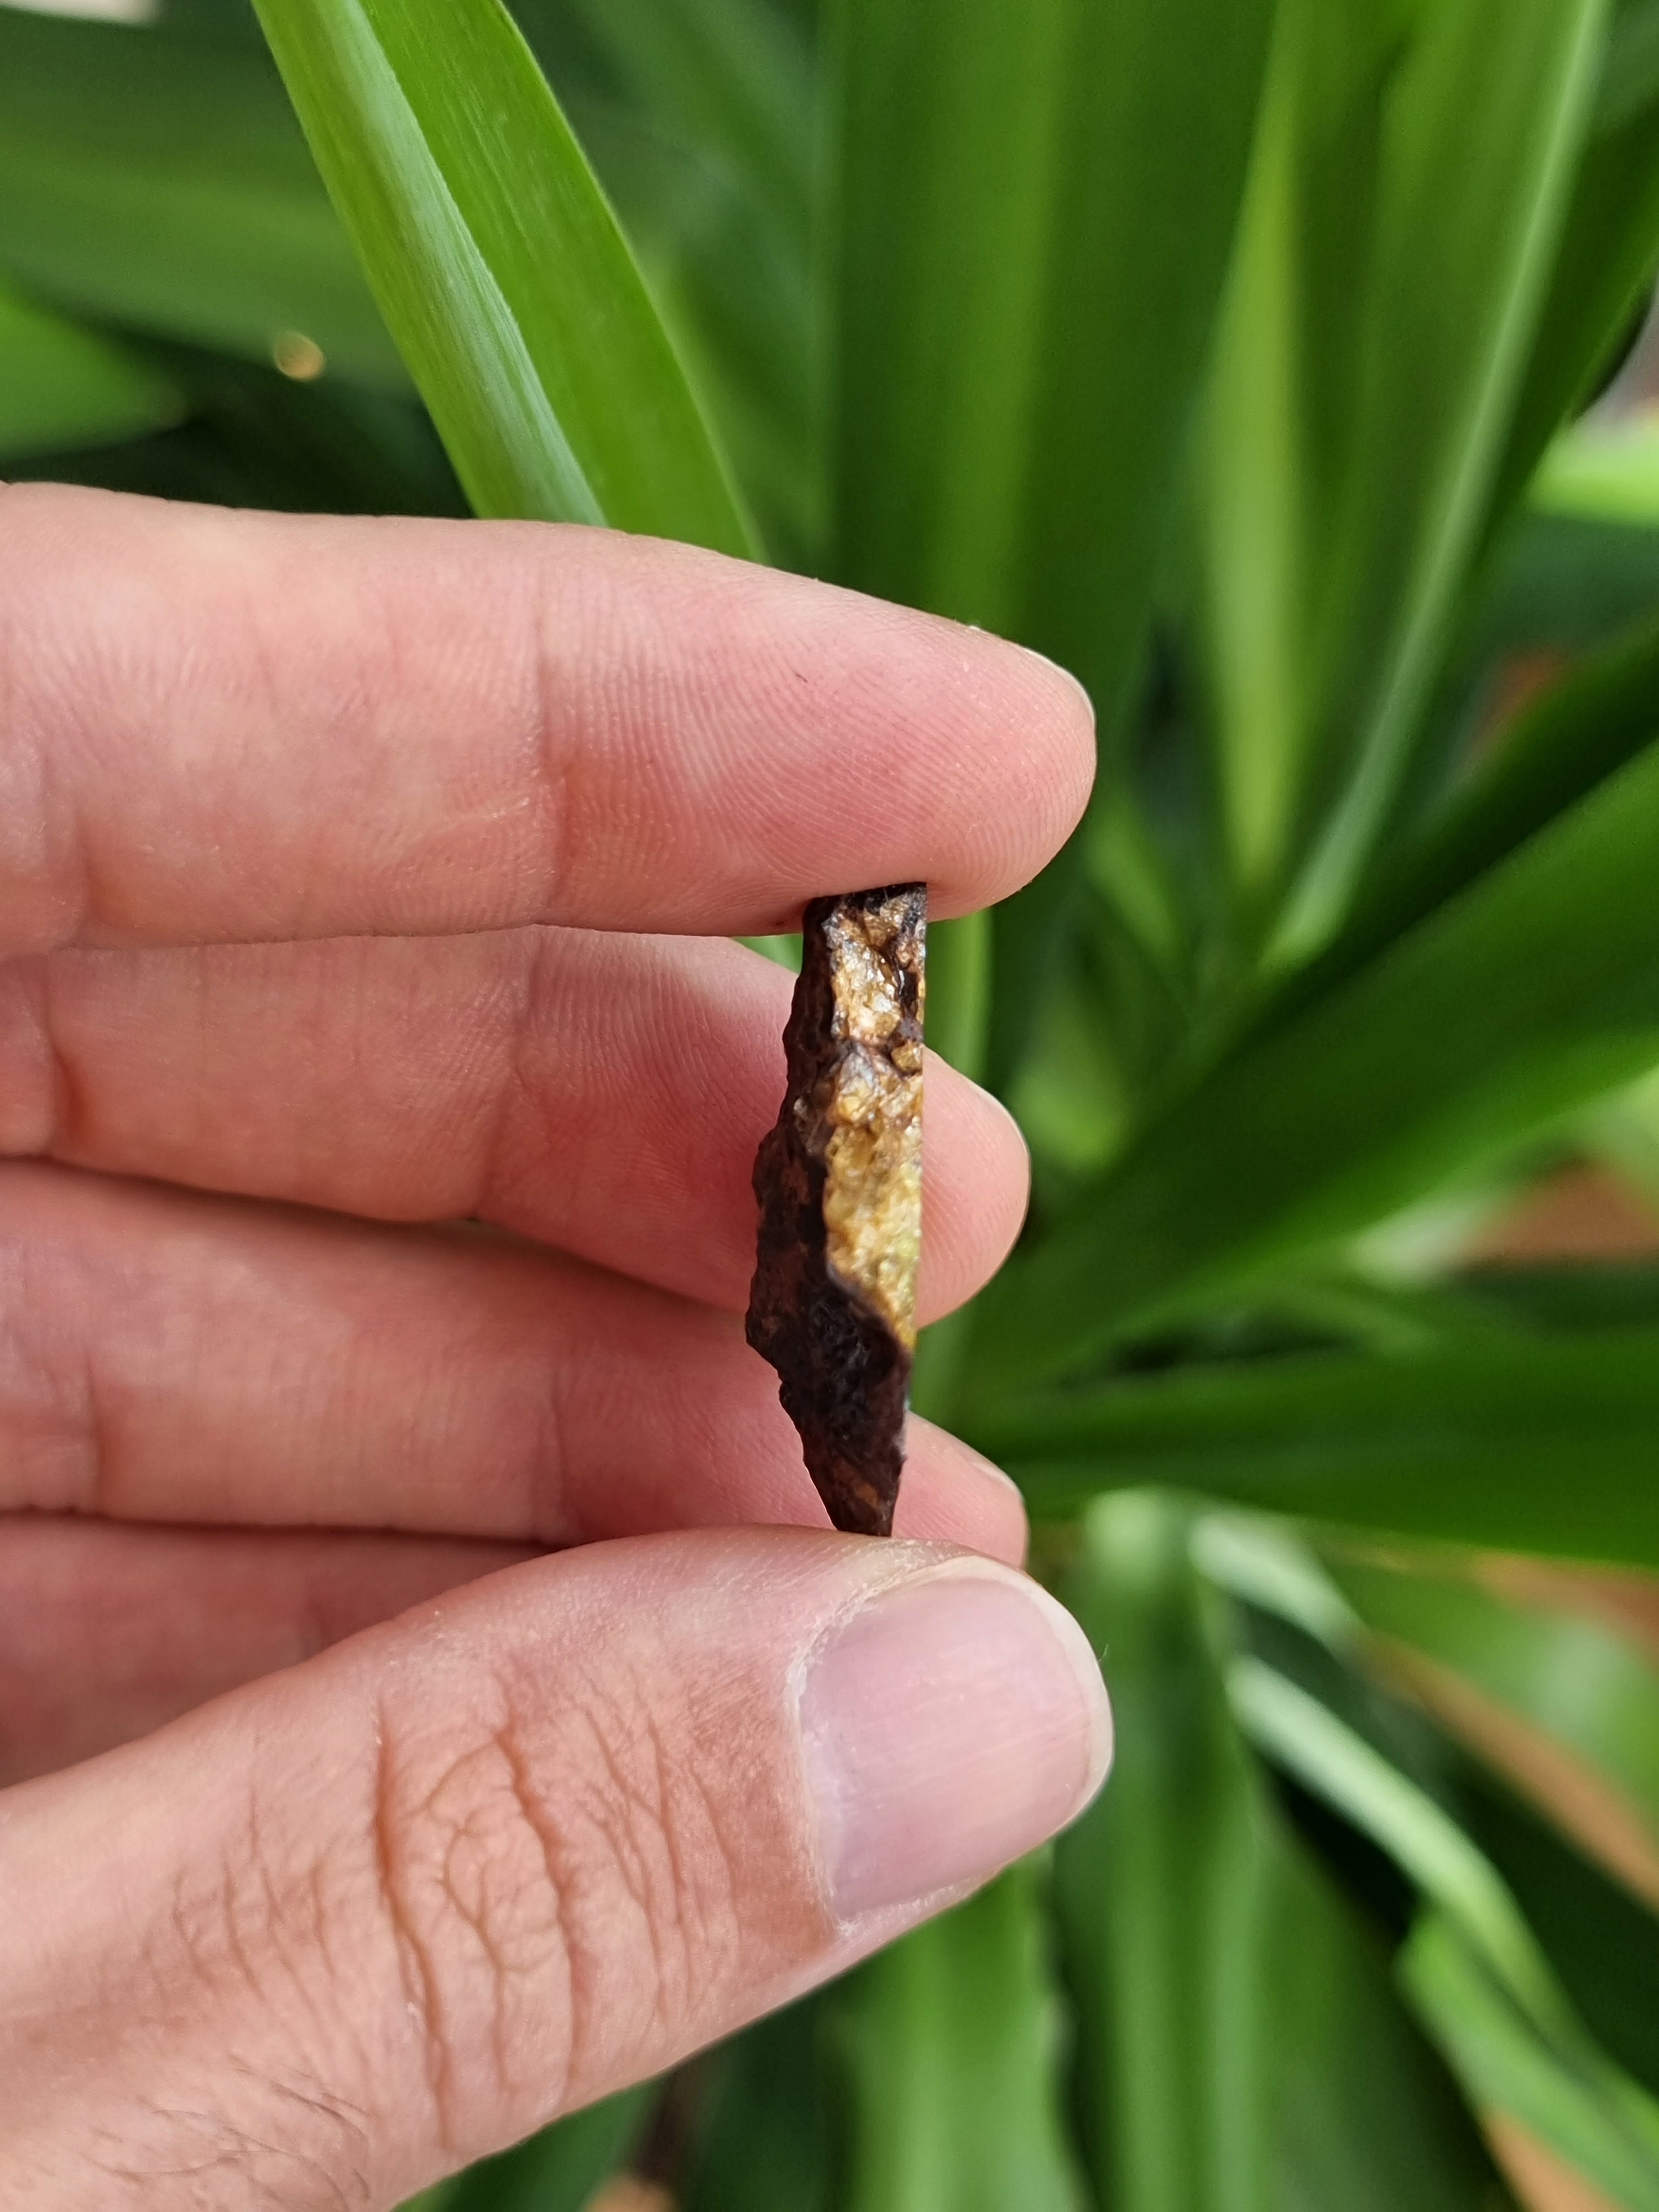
(1230,352)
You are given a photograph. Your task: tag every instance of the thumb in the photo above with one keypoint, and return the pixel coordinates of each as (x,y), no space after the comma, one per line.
(362,1922)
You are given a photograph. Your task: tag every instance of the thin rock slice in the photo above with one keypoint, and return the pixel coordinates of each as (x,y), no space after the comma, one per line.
(832,1306)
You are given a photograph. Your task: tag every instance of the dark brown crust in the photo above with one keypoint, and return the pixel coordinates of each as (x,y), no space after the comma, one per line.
(842,1359)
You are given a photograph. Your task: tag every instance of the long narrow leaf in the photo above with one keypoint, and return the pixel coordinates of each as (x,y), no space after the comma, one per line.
(951,2041)
(499,266)
(1483,123)
(1531,993)
(1510,2071)
(1561,1704)
(1523,1443)
(1606,262)
(1164,1890)
(1035,206)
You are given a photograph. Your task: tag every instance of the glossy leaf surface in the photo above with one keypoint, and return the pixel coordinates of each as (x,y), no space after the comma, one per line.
(1484,108)
(1036,205)
(500,268)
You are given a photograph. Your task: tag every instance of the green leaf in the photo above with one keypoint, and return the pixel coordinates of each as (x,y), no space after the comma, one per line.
(763,2126)
(1365,2118)
(1034,208)
(1597,2122)
(500,268)
(1240,2041)
(1329,1758)
(1476,124)
(951,2041)
(62,385)
(732,77)
(1567,586)
(1036,205)
(705,136)
(1566,741)
(559,2170)
(1164,1889)
(1603,1941)
(159,179)
(1481,1981)
(1607,255)
(1525,1443)
(1564,1705)
(1532,993)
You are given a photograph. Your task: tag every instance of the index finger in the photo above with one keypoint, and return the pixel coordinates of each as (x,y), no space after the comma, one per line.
(222,726)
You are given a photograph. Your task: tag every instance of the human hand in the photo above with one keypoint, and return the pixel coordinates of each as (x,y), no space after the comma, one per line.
(320,846)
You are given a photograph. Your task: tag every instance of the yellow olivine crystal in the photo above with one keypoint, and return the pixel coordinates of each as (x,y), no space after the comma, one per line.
(872,1191)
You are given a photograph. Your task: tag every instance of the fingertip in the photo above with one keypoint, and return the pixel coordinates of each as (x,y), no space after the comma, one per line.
(1009,743)
(1064,711)
(951,1494)
(976,1180)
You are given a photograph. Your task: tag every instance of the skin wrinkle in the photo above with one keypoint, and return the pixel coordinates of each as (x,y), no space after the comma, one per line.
(629,1822)
(533,991)
(531,1852)
(422,1997)
(229,2148)
(59,1088)
(534,1819)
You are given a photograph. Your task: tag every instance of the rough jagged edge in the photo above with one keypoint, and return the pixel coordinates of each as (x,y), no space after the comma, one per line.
(844,1375)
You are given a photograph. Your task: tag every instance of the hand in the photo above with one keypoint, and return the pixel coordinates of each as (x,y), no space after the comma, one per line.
(322,844)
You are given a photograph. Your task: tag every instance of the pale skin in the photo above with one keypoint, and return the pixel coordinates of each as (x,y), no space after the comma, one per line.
(430,1696)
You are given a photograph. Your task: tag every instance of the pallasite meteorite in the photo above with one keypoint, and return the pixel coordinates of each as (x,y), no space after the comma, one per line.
(839,1182)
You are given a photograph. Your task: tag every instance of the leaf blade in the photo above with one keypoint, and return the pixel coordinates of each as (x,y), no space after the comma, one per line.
(1533,992)
(1531,1444)
(62,385)
(158,181)
(518,307)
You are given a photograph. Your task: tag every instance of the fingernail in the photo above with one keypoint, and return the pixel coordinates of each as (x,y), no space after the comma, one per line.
(948,1725)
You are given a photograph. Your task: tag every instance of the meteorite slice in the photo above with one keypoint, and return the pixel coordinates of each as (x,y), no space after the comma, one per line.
(839,1180)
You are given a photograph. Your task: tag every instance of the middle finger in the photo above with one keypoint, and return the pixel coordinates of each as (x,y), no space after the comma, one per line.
(602,1093)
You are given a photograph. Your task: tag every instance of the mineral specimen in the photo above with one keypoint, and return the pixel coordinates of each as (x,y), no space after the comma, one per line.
(832,1306)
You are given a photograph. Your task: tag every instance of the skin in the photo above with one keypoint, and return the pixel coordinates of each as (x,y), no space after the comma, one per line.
(394,1666)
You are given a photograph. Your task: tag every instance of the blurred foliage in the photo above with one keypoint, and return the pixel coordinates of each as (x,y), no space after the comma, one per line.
(1231,352)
